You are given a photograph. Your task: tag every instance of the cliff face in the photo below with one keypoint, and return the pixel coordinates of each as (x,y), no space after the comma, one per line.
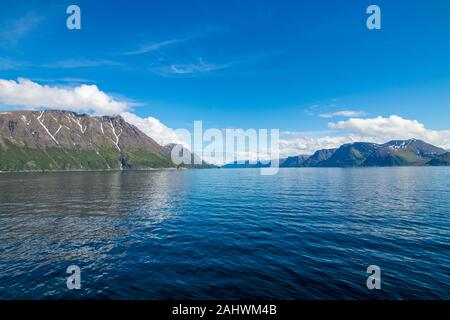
(63,140)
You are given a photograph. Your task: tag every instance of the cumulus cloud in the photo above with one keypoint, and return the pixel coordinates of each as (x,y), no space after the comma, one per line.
(392,127)
(377,130)
(306,144)
(154,128)
(82,98)
(26,94)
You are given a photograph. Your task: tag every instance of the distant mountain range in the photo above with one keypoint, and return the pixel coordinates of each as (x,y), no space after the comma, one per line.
(63,140)
(410,152)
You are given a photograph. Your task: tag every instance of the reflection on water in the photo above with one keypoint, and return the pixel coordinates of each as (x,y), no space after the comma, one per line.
(224,234)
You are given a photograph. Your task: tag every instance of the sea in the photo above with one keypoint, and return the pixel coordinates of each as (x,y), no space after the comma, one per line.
(304,233)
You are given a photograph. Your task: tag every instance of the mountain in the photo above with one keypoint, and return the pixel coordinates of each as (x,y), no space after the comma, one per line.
(403,153)
(441,160)
(410,152)
(289,162)
(64,140)
(318,157)
(292,162)
(245,164)
(350,155)
(196,162)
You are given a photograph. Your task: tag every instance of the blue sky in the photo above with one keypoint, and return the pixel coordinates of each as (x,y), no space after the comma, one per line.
(247,64)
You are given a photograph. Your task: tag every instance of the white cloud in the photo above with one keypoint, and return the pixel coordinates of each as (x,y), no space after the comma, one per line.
(382,129)
(307,144)
(343,113)
(26,94)
(83,98)
(154,128)
(190,68)
(377,130)
(68,80)
(81,63)
(153,47)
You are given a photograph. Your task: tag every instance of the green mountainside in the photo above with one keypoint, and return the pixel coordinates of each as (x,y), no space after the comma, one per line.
(63,140)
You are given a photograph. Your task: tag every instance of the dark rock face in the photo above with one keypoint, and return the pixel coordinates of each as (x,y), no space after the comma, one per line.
(441,160)
(63,140)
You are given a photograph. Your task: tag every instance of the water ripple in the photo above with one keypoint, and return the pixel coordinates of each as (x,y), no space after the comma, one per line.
(226,234)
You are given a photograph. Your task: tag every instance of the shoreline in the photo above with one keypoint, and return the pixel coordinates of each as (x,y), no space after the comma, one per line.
(182,169)
(92,170)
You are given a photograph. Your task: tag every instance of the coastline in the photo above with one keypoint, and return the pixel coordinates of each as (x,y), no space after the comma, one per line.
(93,170)
(178,169)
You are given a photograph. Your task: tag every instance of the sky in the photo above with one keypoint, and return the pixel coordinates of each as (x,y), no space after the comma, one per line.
(311,69)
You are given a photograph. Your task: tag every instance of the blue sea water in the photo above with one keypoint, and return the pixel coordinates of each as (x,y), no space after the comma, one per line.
(306,233)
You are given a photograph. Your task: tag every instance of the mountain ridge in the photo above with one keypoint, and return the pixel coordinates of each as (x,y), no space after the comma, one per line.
(411,152)
(63,140)
(52,140)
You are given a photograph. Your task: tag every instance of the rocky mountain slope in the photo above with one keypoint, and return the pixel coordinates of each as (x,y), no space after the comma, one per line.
(63,140)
